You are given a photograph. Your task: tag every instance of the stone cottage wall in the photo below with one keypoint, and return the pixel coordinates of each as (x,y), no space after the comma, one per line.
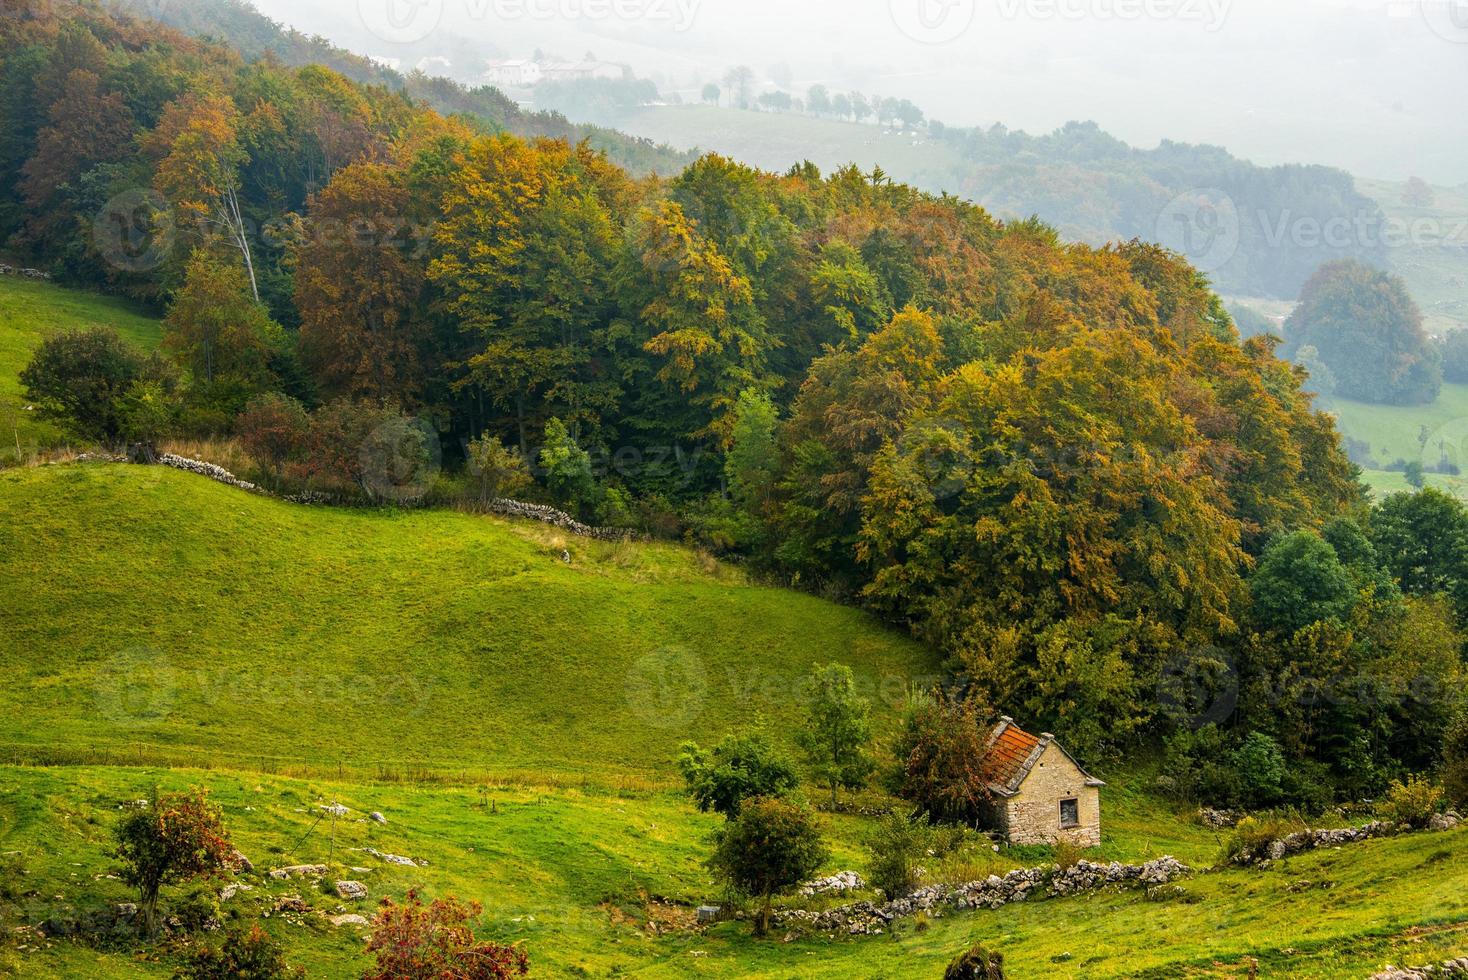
(1032,816)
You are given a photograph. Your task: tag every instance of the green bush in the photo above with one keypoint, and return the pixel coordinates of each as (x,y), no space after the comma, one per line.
(897,844)
(242,955)
(1412,802)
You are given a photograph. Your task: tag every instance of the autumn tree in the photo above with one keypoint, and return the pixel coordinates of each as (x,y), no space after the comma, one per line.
(359,283)
(274,429)
(940,757)
(174,837)
(86,126)
(197,145)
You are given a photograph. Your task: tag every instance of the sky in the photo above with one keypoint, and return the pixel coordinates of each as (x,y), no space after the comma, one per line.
(1372,86)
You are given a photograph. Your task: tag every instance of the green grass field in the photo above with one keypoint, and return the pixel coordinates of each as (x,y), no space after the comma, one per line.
(153,611)
(1421,433)
(29,310)
(578,875)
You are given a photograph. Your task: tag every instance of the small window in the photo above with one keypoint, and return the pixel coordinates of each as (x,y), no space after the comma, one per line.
(1070,813)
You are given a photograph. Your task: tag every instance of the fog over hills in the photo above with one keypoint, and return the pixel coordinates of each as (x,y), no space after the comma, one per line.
(1368,86)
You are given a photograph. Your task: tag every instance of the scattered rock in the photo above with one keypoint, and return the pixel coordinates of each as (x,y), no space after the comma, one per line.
(242,863)
(353,890)
(376,817)
(349,920)
(335,810)
(299,871)
(406,862)
(291,903)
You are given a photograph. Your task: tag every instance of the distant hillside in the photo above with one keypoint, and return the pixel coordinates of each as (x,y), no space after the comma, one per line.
(161,608)
(238,24)
(1248,227)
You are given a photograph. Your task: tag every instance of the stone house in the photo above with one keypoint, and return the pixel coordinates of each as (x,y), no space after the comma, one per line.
(1040,793)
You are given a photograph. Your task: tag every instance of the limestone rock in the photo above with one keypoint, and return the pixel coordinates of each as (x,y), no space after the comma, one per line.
(353,890)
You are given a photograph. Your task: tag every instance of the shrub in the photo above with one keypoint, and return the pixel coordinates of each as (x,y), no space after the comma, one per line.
(1252,834)
(274,430)
(498,471)
(976,963)
(1412,802)
(416,942)
(242,955)
(768,849)
(1068,853)
(176,837)
(740,767)
(1455,762)
(940,758)
(79,378)
(897,844)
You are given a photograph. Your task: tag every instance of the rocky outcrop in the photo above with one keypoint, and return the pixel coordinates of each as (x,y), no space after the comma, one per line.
(353,891)
(870,918)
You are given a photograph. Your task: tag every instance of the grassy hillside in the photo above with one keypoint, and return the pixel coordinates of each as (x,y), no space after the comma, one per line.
(30,310)
(148,610)
(573,874)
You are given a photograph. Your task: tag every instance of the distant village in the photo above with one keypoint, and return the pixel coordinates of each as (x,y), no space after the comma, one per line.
(530,72)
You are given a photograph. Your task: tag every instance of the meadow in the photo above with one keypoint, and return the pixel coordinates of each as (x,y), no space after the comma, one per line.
(601,883)
(29,311)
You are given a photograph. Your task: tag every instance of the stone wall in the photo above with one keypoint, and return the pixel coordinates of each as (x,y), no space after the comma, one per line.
(869,918)
(1032,815)
(1264,851)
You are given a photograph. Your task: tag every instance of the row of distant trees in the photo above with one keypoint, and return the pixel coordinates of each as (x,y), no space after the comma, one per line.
(818,101)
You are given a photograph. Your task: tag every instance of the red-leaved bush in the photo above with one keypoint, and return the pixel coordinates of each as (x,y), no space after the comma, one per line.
(413,941)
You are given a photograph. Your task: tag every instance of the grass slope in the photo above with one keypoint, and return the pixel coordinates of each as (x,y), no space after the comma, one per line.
(570,874)
(159,613)
(29,311)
